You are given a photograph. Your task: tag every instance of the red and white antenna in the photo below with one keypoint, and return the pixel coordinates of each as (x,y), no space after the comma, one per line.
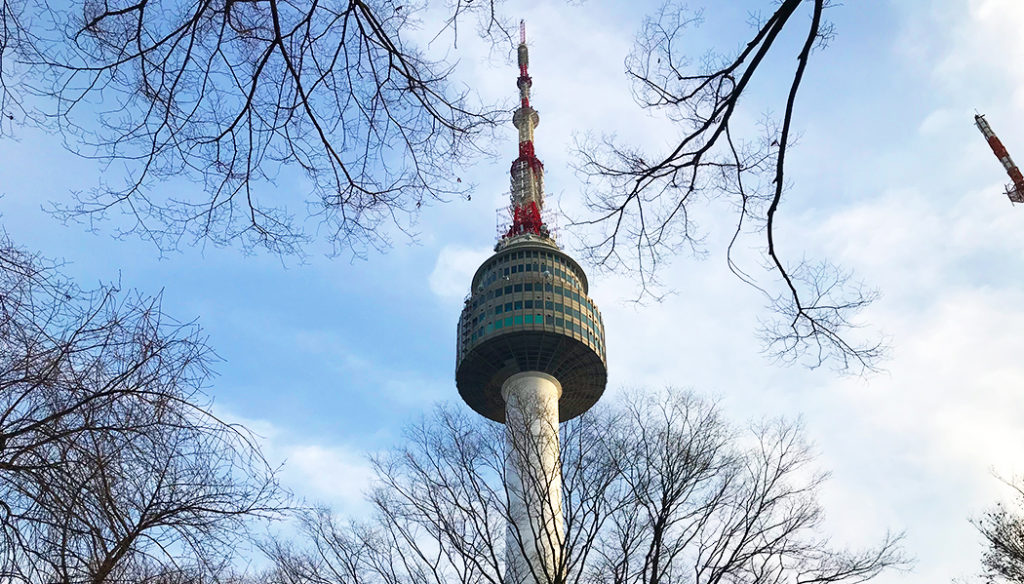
(527,184)
(1014,190)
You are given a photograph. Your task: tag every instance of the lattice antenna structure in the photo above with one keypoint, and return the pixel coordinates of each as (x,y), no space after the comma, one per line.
(527,184)
(1014,190)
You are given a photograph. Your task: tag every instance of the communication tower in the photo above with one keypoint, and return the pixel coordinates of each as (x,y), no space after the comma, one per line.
(1014,190)
(531,354)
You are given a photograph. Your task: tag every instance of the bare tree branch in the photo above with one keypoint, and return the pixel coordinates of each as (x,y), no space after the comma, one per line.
(252,100)
(1003,530)
(657,489)
(642,202)
(111,467)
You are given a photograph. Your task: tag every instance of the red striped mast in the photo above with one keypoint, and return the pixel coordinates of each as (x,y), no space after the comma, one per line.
(1014,190)
(527,193)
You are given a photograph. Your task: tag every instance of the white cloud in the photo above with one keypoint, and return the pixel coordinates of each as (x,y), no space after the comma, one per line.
(318,472)
(939,121)
(334,475)
(454,269)
(972,47)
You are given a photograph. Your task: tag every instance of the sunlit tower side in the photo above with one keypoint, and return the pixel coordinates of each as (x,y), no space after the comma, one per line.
(1014,190)
(530,354)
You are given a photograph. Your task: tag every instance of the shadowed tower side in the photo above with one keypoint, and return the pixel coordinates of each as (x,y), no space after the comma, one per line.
(531,354)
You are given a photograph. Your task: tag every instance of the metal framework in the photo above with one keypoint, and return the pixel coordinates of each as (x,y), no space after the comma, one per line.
(1014,190)
(527,184)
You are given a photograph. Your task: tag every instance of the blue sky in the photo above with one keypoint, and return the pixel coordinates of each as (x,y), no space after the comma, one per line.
(328,358)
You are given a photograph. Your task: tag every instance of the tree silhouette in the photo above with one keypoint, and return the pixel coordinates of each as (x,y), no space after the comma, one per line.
(111,468)
(641,199)
(234,95)
(656,489)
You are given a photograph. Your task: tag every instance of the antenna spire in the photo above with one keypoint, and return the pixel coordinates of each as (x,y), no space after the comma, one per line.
(527,195)
(1014,190)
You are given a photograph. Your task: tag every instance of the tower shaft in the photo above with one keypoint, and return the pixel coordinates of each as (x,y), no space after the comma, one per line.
(533,479)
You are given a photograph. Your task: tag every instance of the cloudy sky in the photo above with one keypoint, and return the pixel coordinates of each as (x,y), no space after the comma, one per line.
(328,359)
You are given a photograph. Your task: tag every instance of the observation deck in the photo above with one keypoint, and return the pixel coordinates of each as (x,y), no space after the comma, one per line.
(529,311)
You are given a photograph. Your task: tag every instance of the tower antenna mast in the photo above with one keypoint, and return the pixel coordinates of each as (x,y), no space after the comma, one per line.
(1014,190)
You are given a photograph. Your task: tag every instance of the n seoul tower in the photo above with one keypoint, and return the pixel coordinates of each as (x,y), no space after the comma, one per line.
(531,354)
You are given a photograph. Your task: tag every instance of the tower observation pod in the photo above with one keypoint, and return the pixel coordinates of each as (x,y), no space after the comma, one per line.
(530,354)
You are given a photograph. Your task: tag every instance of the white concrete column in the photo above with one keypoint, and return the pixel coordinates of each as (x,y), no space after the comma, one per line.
(533,478)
